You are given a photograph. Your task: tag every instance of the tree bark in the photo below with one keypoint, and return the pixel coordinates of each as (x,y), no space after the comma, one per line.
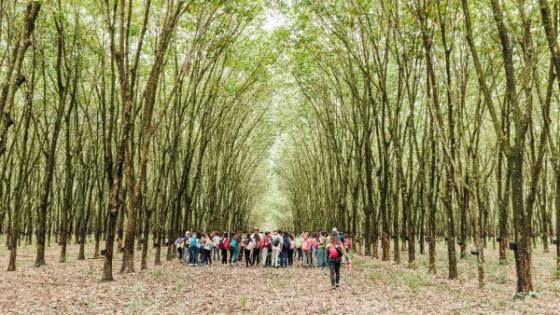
(14,77)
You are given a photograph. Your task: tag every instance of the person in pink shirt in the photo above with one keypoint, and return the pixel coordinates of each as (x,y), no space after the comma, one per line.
(306,249)
(314,247)
(347,243)
(335,252)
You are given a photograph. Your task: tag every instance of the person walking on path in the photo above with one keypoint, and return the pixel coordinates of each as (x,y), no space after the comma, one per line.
(335,252)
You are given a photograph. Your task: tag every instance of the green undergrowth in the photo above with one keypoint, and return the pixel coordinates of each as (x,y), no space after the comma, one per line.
(393,276)
(158,274)
(179,286)
(324,309)
(496,272)
(556,274)
(139,303)
(555,288)
(497,276)
(243,299)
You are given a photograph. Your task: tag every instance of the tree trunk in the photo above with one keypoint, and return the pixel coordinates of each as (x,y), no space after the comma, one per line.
(145,239)
(557,204)
(14,77)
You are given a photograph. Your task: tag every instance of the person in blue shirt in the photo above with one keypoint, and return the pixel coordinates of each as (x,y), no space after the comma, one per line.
(193,249)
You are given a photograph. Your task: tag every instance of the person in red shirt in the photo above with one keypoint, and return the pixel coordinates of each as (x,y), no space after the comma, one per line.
(265,247)
(347,243)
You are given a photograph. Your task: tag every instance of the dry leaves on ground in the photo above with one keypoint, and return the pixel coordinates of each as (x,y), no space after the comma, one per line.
(372,287)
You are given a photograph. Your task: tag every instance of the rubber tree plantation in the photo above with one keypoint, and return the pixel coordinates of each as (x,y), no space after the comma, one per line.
(426,131)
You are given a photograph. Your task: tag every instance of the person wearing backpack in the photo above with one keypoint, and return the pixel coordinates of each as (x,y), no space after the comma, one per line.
(276,248)
(284,251)
(335,252)
(269,254)
(225,249)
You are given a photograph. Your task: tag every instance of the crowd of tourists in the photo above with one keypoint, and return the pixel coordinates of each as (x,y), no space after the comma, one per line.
(275,249)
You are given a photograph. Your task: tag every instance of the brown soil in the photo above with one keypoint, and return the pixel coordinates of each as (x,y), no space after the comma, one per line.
(372,287)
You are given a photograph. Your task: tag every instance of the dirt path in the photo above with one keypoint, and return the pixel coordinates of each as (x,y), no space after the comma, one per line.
(372,287)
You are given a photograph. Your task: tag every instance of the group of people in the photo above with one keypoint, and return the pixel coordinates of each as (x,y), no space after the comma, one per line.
(275,249)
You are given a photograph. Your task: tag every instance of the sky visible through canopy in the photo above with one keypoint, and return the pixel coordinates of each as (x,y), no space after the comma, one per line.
(273,206)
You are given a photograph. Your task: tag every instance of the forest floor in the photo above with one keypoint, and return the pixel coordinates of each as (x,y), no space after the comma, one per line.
(371,287)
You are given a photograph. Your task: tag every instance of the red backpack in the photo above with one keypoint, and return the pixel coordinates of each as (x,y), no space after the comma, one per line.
(226,245)
(263,242)
(333,253)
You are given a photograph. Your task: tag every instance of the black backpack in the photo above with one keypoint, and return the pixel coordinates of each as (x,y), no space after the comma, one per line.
(275,241)
(339,251)
(286,244)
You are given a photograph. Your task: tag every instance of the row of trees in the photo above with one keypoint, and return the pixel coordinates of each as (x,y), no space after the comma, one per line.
(130,120)
(427,120)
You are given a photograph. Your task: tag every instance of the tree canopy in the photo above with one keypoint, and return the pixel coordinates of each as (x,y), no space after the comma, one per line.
(400,122)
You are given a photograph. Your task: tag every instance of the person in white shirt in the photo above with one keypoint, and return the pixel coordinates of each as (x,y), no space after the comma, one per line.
(215,250)
(277,243)
(264,246)
(255,233)
(248,247)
